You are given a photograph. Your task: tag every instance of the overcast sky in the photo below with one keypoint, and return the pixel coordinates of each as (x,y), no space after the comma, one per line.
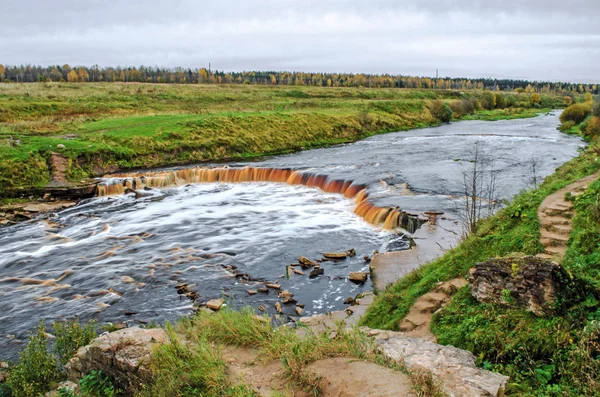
(529,39)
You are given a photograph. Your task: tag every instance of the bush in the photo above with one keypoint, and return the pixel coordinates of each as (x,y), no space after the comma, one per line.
(488,101)
(501,101)
(441,111)
(596,109)
(592,129)
(36,372)
(70,336)
(567,126)
(96,384)
(576,113)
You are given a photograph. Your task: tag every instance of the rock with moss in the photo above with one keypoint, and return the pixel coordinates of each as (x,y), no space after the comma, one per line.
(123,356)
(538,285)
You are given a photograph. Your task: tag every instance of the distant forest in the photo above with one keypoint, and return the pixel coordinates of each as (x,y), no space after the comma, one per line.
(143,74)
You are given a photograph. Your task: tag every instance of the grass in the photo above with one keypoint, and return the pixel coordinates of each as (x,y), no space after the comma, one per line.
(105,126)
(543,356)
(196,366)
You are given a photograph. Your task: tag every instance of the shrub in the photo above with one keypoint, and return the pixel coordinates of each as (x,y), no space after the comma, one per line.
(441,111)
(596,109)
(593,127)
(576,113)
(501,101)
(96,384)
(568,100)
(488,100)
(566,126)
(70,336)
(535,99)
(36,372)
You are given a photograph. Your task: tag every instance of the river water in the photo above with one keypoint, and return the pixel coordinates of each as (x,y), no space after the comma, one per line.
(121,258)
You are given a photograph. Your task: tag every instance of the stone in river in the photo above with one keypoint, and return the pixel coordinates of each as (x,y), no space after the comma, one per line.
(274,286)
(359,277)
(335,255)
(278,307)
(306,263)
(317,271)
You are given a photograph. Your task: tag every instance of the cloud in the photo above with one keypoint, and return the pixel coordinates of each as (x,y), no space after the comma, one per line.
(538,40)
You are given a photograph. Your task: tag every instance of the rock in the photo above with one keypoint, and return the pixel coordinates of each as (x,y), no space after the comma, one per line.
(215,304)
(526,282)
(263,290)
(367,258)
(316,271)
(351,252)
(299,310)
(66,385)
(298,271)
(301,305)
(278,307)
(34,208)
(60,146)
(289,270)
(261,308)
(335,255)
(454,368)
(3,371)
(349,301)
(306,263)
(358,277)
(252,292)
(285,294)
(274,286)
(122,355)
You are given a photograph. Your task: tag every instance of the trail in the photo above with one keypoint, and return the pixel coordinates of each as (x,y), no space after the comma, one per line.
(58,168)
(555,215)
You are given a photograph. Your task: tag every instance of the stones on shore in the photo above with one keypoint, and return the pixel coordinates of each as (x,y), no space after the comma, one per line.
(278,307)
(252,292)
(123,355)
(367,258)
(299,310)
(349,301)
(215,304)
(358,277)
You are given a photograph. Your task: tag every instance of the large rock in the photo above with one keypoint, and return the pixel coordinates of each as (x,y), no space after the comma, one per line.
(526,282)
(454,368)
(123,355)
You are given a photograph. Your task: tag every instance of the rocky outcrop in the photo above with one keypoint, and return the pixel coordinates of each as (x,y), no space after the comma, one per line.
(454,368)
(123,355)
(525,282)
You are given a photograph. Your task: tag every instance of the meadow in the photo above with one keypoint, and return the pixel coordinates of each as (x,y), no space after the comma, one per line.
(108,126)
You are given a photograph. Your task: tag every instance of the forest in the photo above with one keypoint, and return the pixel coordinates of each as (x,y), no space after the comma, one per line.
(178,75)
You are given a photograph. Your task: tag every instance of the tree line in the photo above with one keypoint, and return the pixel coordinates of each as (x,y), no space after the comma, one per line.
(178,75)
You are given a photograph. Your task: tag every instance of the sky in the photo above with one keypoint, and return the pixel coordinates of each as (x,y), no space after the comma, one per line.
(549,40)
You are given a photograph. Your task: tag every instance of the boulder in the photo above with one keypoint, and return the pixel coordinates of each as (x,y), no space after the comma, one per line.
(454,368)
(316,272)
(359,277)
(215,304)
(524,282)
(122,355)
(3,371)
(306,263)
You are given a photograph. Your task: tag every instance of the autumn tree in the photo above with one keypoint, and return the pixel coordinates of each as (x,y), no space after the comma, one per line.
(535,99)
(2,70)
(72,76)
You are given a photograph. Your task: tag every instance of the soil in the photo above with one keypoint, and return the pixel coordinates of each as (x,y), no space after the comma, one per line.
(340,377)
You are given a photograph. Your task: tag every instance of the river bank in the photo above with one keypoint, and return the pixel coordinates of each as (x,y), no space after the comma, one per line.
(100,128)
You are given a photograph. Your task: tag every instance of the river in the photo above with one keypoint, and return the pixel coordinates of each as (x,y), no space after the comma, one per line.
(120,258)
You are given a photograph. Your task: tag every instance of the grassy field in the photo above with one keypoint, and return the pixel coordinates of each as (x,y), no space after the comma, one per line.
(552,356)
(108,126)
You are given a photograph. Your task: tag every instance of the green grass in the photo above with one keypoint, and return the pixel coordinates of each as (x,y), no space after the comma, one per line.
(149,125)
(196,367)
(543,356)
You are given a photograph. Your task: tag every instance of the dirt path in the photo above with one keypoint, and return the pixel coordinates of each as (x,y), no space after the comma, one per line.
(417,321)
(58,169)
(555,215)
(339,377)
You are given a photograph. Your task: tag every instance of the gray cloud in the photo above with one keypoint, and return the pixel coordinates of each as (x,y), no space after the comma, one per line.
(543,40)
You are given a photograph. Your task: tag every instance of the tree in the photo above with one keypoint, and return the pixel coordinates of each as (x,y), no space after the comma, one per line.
(488,101)
(2,71)
(588,97)
(576,113)
(72,76)
(568,100)
(535,99)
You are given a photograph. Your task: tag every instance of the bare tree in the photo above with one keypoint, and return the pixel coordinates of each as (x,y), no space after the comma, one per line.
(481,191)
(534,177)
